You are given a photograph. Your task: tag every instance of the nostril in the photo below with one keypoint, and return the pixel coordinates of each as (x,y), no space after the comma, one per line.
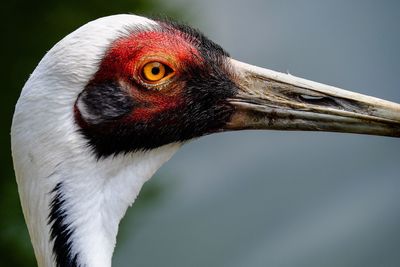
(318,100)
(311,97)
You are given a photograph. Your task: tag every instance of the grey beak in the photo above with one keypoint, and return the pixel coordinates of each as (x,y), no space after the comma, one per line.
(271,100)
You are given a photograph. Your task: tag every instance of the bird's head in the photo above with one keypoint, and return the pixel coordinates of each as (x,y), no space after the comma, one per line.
(113,100)
(157,85)
(168,83)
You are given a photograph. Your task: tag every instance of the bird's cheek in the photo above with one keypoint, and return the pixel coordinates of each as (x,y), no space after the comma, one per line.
(161,107)
(141,114)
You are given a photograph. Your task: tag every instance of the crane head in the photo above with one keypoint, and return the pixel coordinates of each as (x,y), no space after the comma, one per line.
(156,86)
(169,83)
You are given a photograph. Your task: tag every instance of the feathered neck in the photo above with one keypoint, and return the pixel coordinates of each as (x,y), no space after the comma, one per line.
(89,200)
(73,212)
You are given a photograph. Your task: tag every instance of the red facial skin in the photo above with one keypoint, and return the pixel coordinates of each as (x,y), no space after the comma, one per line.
(125,59)
(124,112)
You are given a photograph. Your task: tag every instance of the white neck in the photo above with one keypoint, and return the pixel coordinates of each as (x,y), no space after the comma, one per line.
(95,194)
(96,203)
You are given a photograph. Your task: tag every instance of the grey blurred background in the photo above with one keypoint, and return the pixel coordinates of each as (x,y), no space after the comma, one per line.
(255,198)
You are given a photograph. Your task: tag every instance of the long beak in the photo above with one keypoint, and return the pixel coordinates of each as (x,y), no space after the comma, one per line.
(271,100)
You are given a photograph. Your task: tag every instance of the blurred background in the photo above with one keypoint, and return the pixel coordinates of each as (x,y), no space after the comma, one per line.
(251,198)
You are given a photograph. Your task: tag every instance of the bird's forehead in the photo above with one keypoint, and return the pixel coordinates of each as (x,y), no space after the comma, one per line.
(126,54)
(143,43)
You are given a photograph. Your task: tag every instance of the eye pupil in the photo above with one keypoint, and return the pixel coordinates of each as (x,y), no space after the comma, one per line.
(155,70)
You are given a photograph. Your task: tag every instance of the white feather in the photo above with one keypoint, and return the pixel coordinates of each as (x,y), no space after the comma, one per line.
(47,148)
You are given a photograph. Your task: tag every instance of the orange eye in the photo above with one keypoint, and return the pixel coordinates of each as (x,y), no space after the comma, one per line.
(155,71)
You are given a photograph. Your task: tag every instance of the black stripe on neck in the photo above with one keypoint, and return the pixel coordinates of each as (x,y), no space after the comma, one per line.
(60,232)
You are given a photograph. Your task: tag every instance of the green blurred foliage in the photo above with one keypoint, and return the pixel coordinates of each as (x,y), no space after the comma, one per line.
(29,29)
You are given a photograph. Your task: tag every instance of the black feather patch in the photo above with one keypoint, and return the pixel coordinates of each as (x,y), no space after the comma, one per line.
(207,47)
(60,232)
(104,102)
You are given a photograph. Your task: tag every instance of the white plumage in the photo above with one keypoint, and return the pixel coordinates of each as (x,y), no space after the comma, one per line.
(47,148)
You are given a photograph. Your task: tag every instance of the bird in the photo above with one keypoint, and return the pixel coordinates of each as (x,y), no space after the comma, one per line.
(115,99)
